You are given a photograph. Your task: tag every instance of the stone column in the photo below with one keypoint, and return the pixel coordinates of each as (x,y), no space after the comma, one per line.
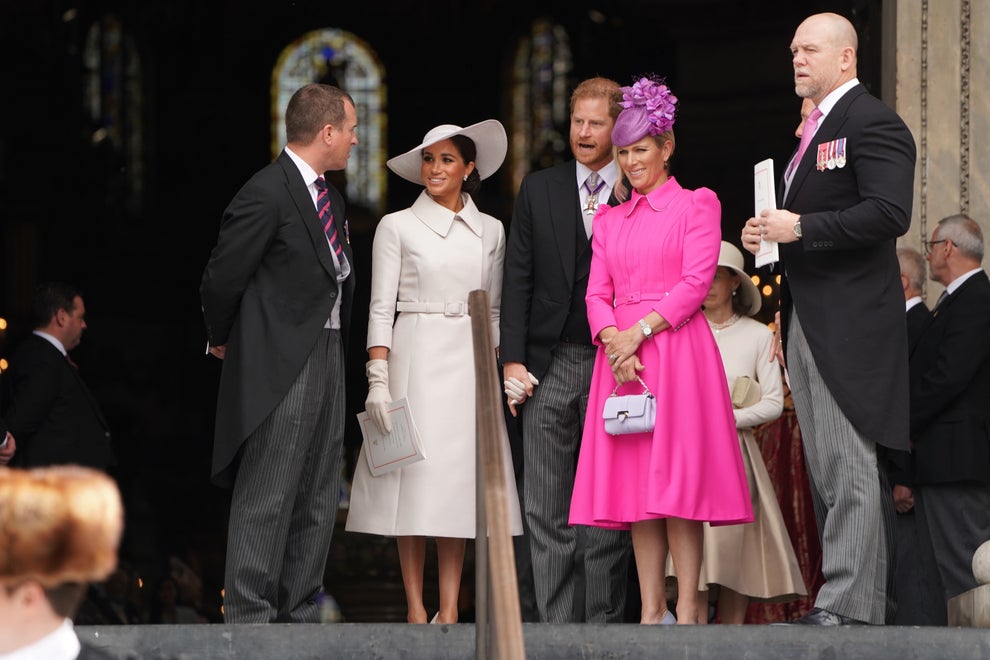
(936,74)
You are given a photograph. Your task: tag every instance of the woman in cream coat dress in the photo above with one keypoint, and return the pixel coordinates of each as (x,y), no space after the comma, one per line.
(754,561)
(425,261)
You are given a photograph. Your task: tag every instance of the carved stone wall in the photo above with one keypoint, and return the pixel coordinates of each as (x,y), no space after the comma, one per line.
(937,76)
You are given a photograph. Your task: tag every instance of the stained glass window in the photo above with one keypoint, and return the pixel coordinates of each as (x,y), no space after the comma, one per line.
(540,113)
(339,58)
(113,103)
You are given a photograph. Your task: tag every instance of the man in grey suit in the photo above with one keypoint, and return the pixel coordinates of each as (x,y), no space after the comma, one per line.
(843,200)
(950,421)
(547,355)
(276,299)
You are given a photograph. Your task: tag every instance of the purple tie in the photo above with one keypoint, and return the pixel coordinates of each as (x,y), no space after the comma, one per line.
(808,132)
(326,217)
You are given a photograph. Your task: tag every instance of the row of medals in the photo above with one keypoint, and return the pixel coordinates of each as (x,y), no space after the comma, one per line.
(831,155)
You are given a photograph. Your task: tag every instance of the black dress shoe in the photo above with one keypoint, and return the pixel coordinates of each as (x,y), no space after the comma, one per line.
(819,617)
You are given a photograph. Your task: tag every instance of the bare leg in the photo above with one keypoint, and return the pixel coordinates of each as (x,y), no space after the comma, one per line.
(703,604)
(412,559)
(649,540)
(450,558)
(732,606)
(685,549)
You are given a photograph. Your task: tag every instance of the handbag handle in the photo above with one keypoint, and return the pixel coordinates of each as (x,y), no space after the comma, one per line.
(646,390)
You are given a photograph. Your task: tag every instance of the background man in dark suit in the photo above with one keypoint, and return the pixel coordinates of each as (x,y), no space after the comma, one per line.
(950,422)
(52,413)
(276,298)
(841,208)
(545,340)
(919,600)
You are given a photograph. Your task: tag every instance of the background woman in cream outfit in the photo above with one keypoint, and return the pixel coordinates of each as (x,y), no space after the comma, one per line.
(755,560)
(425,261)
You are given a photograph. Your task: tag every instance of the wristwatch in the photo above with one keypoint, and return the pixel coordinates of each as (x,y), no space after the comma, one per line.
(647,330)
(797,228)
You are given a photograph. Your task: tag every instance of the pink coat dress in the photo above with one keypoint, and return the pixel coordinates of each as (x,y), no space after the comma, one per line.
(659,252)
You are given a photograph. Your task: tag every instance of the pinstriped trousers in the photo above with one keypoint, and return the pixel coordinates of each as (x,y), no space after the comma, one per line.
(853,505)
(553,422)
(285,498)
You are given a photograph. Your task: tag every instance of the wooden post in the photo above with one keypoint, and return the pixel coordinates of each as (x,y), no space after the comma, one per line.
(499,627)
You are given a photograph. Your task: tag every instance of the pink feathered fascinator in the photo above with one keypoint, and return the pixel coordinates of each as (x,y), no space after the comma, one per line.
(648,109)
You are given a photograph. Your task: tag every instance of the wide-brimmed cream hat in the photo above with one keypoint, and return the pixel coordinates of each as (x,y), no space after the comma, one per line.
(749,296)
(489,139)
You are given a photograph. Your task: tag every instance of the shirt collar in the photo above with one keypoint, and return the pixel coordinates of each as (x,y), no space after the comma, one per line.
(52,340)
(309,175)
(911,302)
(833,97)
(440,218)
(60,644)
(958,282)
(609,173)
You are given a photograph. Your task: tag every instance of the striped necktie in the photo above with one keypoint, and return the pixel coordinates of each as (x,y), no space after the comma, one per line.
(326,218)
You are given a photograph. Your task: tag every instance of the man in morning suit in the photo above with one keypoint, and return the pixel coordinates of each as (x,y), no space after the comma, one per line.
(276,298)
(547,356)
(51,412)
(950,418)
(843,200)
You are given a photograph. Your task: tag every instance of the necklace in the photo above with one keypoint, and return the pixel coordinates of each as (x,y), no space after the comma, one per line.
(716,327)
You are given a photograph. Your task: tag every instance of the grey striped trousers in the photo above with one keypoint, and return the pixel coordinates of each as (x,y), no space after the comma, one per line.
(553,421)
(285,498)
(852,502)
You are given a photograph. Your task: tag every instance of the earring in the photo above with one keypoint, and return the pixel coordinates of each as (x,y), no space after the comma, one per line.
(735,291)
(465,178)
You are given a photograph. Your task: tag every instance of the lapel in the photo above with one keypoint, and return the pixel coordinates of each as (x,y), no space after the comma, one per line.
(565,211)
(827,131)
(303,201)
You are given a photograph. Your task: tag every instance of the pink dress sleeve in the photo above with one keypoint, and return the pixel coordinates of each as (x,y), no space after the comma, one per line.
(702,240)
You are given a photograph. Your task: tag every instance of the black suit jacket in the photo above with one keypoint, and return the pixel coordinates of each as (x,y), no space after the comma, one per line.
(899,470)
(540,264)
(53,415)
(843,276)
(267,292)
(950,389)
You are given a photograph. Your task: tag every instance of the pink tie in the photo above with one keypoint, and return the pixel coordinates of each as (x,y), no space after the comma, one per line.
(808,132)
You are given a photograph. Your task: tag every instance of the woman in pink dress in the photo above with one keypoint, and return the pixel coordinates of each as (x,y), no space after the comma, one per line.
(654,258)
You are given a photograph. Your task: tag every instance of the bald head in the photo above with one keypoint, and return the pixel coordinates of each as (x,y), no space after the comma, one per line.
(824,55)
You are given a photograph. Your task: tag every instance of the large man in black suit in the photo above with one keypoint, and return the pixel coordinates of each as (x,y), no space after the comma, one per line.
(841,208)
(276,298)
(950,418)
(547,355)
(52,413)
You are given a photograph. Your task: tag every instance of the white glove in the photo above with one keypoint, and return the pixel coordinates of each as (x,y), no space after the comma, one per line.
(515,390)
(376,405)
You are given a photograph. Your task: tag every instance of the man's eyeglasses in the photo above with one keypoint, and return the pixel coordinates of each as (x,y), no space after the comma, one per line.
(930,244)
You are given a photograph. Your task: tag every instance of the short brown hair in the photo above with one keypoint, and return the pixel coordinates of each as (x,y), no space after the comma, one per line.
(311,108)
(599,88)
